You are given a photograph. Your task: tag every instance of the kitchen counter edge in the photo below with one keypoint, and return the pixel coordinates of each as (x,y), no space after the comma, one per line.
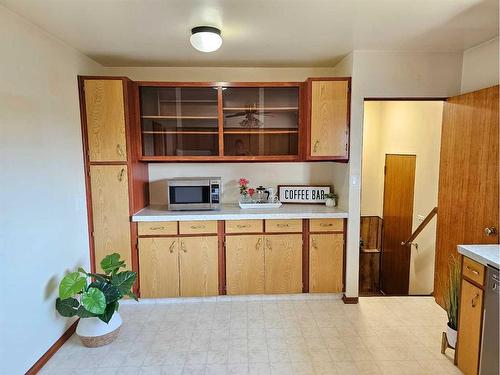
(484,254)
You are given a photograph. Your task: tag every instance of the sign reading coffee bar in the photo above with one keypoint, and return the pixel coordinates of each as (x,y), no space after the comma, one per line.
(303,193)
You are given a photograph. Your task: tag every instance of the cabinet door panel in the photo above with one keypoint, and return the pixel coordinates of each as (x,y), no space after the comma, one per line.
(110,212)
(326,258)
(329,109)
(283,263)
(245,264)
(469,330)
(105,112)
(198,266)
(159,267)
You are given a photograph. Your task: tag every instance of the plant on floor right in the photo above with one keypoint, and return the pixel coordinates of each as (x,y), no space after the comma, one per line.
(90,295)
(451,293)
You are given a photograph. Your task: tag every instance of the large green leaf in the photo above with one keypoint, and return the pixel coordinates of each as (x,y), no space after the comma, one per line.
(94,301)
(97,276)
(112,263)
(73,283)
(83,313)
(111,292)
(124,281)
(108,313)
(132,295)
(67,307)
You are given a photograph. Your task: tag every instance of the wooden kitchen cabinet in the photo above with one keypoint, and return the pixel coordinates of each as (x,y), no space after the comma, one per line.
(283,263)
(110,212)
(105,115)
(329,119)
(198,266)
(469,328)
(245,264)
(159,276)
(326,260)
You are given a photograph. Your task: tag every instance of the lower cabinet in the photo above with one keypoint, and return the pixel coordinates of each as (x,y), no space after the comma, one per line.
(257,264)
(326,262)
(469,328)
(172,267)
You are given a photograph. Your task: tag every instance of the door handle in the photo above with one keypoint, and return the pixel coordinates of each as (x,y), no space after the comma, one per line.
(119,150)
(472,270)
(490,231)
(171,247)
(259,244)
(121,174)
(314,244)
(315,147)
(183,246)
(474,300)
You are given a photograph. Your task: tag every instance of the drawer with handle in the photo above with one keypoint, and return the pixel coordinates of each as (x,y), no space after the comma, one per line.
(244,226)
(197,227)
(326,225)
(473,271)
(283,226)
(157,228)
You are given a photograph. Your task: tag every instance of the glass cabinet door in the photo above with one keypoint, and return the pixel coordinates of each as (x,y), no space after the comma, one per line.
(261,121)
(179,121)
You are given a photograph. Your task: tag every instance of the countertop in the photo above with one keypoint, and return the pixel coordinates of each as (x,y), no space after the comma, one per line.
(484,254)
(234,212)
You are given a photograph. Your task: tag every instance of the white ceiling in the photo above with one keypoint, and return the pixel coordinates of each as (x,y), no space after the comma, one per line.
(259,32)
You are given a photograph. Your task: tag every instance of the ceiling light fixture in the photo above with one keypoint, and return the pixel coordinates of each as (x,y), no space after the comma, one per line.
(205,38)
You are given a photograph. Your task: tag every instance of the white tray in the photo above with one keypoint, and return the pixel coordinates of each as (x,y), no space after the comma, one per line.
(260,205)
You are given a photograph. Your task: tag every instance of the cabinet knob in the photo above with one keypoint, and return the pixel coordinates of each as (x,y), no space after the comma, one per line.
(490,231)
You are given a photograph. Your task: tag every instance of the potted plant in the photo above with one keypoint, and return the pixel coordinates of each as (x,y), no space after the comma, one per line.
(331,200)
(451,298)
(94,298)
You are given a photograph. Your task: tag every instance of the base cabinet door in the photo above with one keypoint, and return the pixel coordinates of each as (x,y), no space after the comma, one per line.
(110,212)
(245,264)
(469,328)
(159,267)
(283,263)
(198,262)
(326,263)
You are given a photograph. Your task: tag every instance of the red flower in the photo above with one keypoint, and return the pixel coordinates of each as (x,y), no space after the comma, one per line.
(251,191)
(243,181)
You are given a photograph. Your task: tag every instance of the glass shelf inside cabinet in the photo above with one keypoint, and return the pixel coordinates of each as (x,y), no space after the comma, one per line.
(179,121)
(261,121)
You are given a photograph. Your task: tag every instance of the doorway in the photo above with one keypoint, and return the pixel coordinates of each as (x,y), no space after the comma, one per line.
(399,187)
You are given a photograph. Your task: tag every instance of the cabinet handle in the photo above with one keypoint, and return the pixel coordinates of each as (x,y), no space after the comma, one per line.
(197,226)
(119,150)
(171,247)
(314,244)
(282,225)
(259,244)
(121,174)
(268,244)
(472,270)
(157,228)
(474,300)
(243,226)
(326,225)
(315,147)
(183,246)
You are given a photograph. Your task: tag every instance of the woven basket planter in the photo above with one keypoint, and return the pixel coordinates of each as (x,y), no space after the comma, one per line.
(93,332)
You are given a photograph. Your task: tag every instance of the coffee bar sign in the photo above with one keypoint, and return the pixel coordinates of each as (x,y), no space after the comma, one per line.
(303,193)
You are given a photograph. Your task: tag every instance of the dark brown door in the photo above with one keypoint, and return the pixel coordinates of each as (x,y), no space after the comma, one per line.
(399,185)
(468,177)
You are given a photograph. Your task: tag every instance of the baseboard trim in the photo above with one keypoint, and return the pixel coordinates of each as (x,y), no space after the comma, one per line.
(350,300)
(52,350)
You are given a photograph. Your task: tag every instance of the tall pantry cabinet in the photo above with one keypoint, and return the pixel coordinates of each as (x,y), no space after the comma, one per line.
(116,182)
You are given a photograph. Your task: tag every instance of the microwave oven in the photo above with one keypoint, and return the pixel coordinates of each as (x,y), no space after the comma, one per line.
(194,193)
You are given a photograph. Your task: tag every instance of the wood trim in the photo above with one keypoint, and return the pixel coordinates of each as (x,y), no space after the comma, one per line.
(52,350)
(349,300)
(222,257)
(344,260)
(220,115)
(305,256)
(217,84)
(221,159)
(178,235)
(404,98)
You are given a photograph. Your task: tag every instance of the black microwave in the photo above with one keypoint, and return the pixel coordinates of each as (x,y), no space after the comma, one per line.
(194,193)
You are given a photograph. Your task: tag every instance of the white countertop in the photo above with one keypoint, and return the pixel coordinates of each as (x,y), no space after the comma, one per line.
(234,212)
(484,254)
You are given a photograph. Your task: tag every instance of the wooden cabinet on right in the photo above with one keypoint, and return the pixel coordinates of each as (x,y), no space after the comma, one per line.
(328,135)
(326,262)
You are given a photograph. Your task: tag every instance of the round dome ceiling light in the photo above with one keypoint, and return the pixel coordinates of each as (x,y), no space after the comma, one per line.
(205,38)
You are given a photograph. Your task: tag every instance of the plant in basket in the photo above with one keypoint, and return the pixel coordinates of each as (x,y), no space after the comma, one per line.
(94,297)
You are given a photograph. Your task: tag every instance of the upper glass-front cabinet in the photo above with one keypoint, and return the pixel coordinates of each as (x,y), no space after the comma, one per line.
(179,121)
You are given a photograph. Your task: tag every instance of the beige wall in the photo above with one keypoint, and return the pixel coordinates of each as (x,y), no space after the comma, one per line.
(480,66)
(43,225)
(266,174)
(407,127)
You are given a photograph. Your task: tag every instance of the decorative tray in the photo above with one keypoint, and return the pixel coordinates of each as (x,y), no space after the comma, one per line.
(246,205)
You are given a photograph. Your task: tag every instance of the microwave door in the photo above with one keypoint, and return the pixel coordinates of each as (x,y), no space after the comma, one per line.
(189,197)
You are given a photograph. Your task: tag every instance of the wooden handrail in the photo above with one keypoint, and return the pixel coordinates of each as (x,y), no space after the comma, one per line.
(421,227)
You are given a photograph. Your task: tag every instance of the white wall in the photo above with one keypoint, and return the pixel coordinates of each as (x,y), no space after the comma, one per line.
(480,66)
(43,226)
(405,127)
(388,74)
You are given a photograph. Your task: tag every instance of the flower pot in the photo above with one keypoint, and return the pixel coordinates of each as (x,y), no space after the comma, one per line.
(330,202)
(451,336)
(93,332)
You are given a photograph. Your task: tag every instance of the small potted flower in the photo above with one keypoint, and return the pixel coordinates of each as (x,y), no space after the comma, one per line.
(331,200)
(244,193)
